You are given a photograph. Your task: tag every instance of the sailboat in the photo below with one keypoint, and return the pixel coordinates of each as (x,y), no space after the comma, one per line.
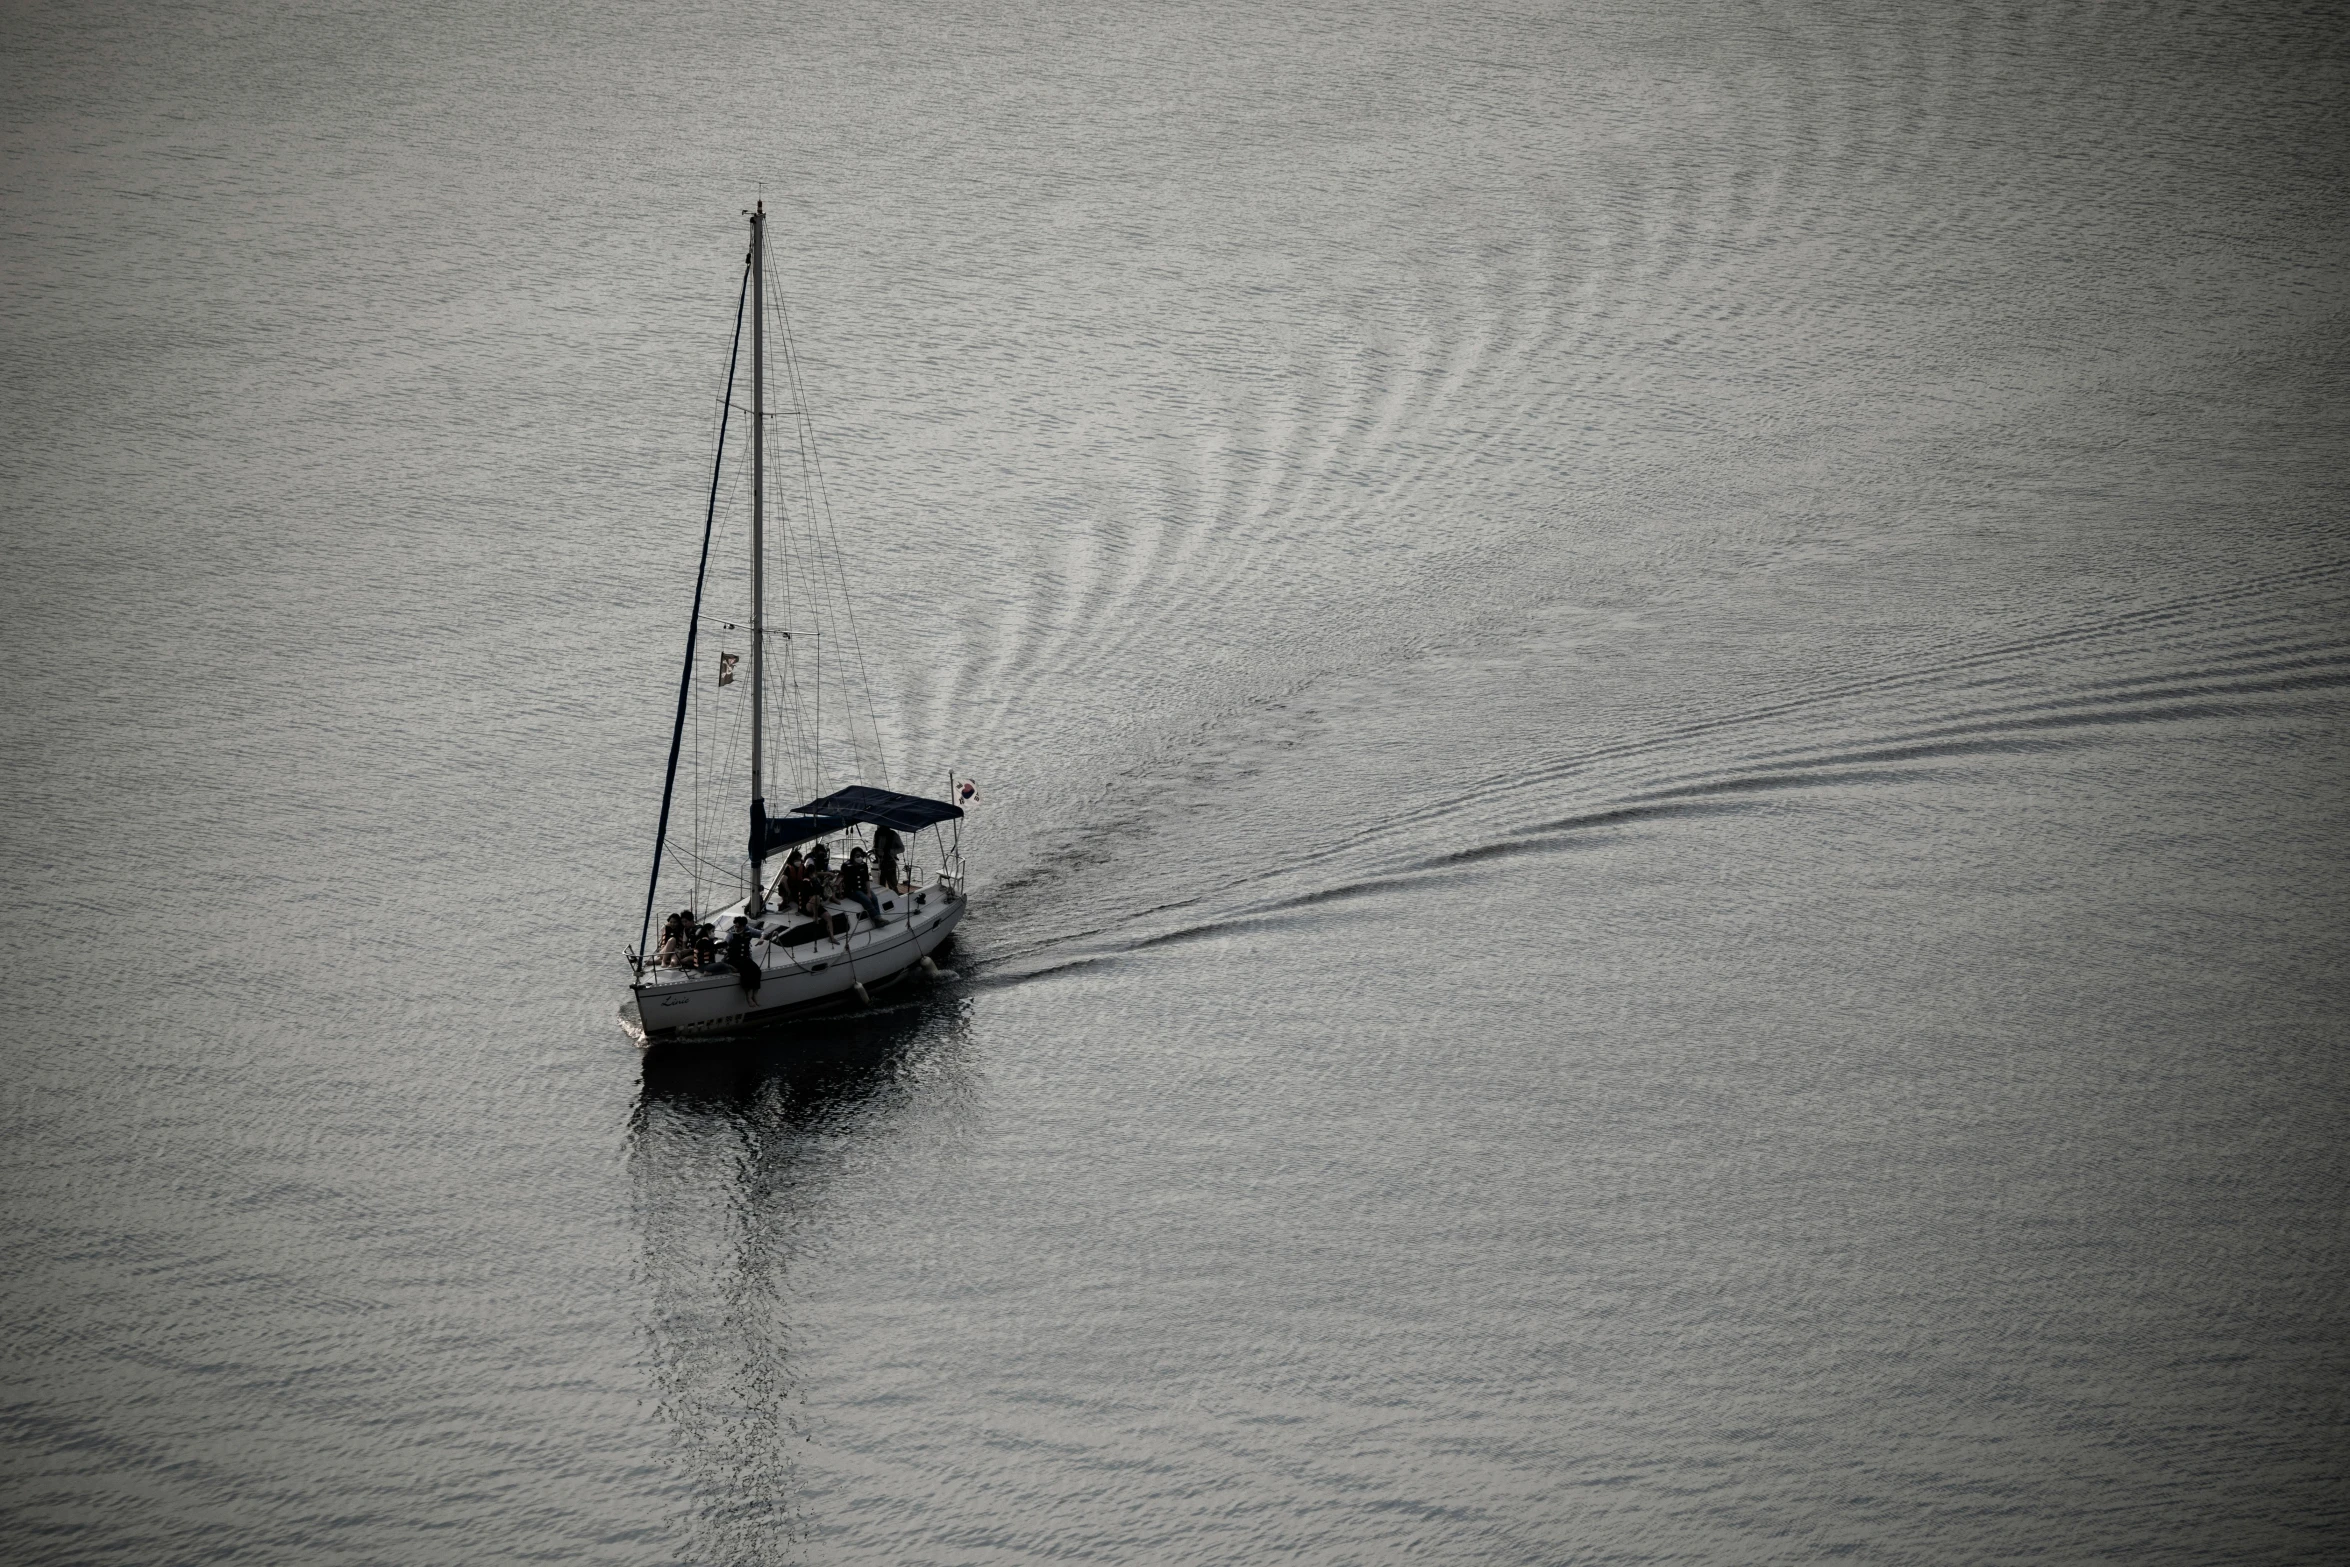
(823,935)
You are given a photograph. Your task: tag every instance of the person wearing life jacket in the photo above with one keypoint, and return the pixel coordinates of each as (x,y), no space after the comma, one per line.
(856,884)
(738,956)
(793,887)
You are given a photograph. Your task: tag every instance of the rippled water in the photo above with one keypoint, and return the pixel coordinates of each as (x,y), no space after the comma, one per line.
(1659,695)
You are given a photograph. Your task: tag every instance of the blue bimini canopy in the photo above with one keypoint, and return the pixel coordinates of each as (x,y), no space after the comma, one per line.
(880,807)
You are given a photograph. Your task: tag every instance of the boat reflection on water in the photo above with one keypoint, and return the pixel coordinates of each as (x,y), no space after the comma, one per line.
(745,1156)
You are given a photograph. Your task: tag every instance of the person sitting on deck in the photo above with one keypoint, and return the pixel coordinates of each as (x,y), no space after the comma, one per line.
(705,945)
(738,956)
(798,889)
(672,951)
(819,863)
(887,846)
(856,884)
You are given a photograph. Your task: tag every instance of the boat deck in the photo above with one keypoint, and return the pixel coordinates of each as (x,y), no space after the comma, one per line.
(800,960)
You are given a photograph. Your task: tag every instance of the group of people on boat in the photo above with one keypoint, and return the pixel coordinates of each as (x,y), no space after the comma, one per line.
(809,881)
(806,886)
(685,944)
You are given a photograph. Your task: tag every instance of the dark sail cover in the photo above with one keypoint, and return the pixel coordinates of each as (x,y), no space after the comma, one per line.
(774,834)
(880,808)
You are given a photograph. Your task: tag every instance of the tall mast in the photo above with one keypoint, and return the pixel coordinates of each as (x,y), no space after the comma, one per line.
(758,544)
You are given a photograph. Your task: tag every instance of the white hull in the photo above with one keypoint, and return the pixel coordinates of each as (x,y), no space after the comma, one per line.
(668,1001)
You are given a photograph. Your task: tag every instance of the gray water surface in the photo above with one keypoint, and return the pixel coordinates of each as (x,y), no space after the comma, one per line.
(1659,695)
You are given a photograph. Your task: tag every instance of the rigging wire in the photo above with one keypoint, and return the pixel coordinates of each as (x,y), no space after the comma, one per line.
(700,862)
(724,741)
(685,677)
(812,465)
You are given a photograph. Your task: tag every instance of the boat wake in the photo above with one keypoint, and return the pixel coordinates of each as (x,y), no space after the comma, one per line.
(2264,654)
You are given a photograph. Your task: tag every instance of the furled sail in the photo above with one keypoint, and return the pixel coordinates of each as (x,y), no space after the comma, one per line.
(774,834)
